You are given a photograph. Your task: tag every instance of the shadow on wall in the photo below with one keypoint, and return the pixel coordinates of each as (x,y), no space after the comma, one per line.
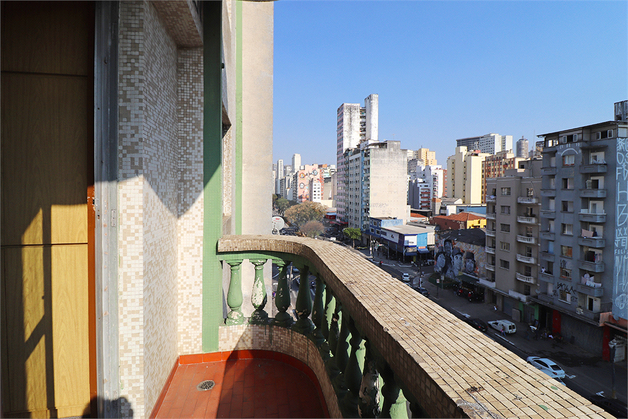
(117,408)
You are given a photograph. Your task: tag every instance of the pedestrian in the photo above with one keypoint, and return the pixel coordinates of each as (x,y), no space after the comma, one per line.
(503,331)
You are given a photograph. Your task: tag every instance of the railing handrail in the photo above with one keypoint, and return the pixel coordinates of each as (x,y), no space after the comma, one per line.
(405,328)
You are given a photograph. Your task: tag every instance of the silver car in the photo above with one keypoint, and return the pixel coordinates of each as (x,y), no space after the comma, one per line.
(546,365)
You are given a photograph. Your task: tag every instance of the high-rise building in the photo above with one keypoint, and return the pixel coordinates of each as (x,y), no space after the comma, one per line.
(489,143)
(279,174)
(296,162)
(495,166)
(464,176)
(584,242)
(523,148)
(354,124)
(428,157)
(512,237)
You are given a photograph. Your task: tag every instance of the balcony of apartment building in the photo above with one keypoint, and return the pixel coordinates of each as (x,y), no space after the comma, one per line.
(592,216)
(490,231)
(593,189)
(526,238)
(595,166)
(491,216)
(530,200)
(490,250)
(528,279)
(591,239)
(546,275)
(526,219)
(548,256)
(356,327)
(592,261)
(547,235)
(547,192)
(526,259)
(549,170)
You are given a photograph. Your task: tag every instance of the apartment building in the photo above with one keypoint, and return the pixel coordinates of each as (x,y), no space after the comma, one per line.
(584,240)
(354,124)
(489,143)
(495,165)
(512,239)
(308,183)
(523,148)
(464,175)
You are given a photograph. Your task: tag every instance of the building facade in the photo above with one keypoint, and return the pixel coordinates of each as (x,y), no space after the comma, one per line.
(308,184)
(464,176)
(523,148)
(496,165)
(584,244)
(489,143)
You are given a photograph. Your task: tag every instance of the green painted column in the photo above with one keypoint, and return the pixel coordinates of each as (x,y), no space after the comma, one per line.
(334,331)
(212,173)
(353,373)
(234,295)
(342,356)
(303,324)
(328,319)
(258,296)
(368,406)
(394,400)
(282,297)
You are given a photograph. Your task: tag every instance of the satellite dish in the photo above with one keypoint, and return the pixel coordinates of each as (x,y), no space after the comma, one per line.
(277,224)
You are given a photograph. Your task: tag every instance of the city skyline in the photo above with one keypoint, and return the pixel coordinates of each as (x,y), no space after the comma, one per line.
(448,70)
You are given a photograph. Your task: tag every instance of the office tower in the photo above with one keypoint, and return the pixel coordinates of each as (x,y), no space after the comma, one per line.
(296,162)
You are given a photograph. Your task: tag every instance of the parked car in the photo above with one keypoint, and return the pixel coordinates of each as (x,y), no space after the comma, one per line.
(546,365)
(423,291)
(615,407)
(405,277)
(478,324)
(508,326)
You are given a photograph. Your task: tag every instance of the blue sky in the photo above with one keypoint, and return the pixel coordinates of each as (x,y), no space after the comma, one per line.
(445,69)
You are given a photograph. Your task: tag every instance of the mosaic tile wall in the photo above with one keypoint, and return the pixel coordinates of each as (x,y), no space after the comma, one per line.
(279,339)
(190,231)
(148,204)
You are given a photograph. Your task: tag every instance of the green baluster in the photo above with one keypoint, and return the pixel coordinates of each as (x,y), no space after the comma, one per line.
(303,324)
(342,356)
(394,400)
(234,295)
(282,297)
(330,364)
(317,312)
(353,373)
(328,318)
(258,296)
(369,388)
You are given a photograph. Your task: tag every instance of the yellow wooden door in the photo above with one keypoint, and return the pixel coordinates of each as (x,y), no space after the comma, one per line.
(47,168)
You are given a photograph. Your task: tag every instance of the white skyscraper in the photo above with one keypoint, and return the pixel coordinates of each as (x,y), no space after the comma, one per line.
(278,177)
(354,124)
(523,148)
(296,162)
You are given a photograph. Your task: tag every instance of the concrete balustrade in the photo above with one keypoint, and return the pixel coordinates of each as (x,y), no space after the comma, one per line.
(367,324)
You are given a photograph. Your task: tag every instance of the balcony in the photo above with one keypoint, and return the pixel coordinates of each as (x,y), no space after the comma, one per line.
(490,250)
(592,193)
(354,302)
(491,198)
(490,267)
(595,242)
(527,200)
(549,171)
(490,215)
(592,266)
(526,220)
(525,259)
(591,291)
(525,278)
(547,235)
(548,256)
(551,214)
(592,217)
(594,168)
(525,239)
(548,192)
(546,277)
(490,233)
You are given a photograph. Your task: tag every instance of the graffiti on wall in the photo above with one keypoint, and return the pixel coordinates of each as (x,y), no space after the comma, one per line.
(454,259)
(620,274)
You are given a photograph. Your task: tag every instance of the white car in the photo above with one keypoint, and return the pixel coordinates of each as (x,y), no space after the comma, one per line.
(548,366)
(405,277)
(508,326)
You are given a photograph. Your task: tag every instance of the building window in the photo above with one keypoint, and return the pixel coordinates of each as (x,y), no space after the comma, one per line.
(505,191)
(569,159)
(527,270)
(505,209)
(504,246)
(505,228)
(568,183)
(565,273)
(530,192)
(504,264)
(567,206)
(567,229)
(565,251)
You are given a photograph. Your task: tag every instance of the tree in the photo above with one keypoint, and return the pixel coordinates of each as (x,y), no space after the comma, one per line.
(300,214)
(312,228)
(353,234)
(282,205)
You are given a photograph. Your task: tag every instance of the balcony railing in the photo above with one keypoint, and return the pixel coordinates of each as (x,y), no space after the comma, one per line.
(592,193)
(596,242)
(490,198)
(490,267)
(547,235)
(491,215)
(525,259)
(548,192)
(490,250)
(594,168)
(592,291)
(549,170)
(592,266)
(490,233)
(548,256)
(527,200)
(366,324)
(546,277)
(548,213)
(525,278)
(592,217)
(525,239)
(526,220)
